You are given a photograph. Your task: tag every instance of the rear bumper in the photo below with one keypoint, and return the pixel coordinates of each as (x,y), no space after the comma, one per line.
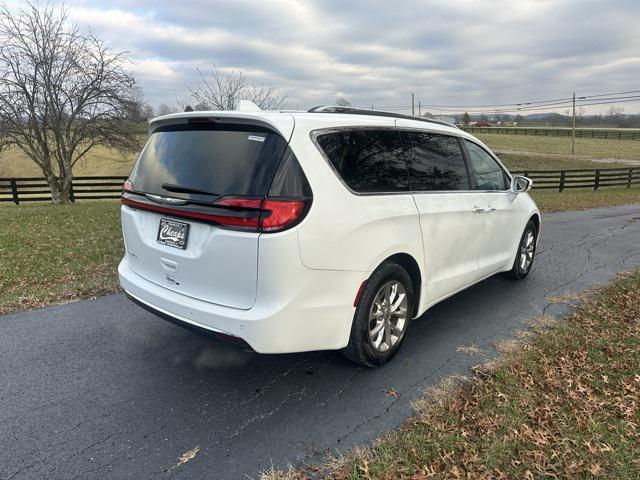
(188,325)
(314,312)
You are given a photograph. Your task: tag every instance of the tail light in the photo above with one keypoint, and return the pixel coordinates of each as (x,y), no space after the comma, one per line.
(275,215)
(128,186)
(250,214)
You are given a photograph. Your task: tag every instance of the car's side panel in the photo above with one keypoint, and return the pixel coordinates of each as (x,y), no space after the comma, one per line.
(348,231)
(452,234)
(503,225)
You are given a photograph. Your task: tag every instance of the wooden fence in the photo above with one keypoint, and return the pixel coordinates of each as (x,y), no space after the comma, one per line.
(614,134)
(583,178)
(36,189)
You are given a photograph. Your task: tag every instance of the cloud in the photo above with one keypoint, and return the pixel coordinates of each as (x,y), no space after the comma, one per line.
(463,52)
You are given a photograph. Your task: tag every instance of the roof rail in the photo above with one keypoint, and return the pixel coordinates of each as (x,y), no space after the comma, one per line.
(376,113)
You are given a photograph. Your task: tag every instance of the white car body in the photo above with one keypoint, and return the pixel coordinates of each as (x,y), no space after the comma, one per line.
(295,290)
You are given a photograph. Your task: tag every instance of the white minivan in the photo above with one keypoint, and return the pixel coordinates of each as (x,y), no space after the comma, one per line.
(326,229)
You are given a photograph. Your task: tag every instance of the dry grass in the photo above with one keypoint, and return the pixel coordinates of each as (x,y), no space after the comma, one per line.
(100,161)
(563,404)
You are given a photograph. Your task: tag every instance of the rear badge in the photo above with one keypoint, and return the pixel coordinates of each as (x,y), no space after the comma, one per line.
(256,138)
(172,233)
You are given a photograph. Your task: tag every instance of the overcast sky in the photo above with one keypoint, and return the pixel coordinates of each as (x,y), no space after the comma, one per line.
(461,52)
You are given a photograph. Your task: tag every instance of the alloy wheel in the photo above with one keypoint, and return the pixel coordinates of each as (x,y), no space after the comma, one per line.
(527,250)
(388,316)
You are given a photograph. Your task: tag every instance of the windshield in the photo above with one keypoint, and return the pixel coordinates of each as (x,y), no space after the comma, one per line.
(218,159)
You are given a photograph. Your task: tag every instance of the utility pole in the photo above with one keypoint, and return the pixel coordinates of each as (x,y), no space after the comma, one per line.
(573,127)
(413,106)
(419,108)
(372,106)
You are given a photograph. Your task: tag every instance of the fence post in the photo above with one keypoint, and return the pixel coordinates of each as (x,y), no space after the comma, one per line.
(561,180)
(596,183)
(14,191)
(629,179)
(71,194)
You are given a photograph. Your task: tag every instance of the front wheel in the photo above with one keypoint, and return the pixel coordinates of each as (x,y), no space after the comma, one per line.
(382,316)
(526,253)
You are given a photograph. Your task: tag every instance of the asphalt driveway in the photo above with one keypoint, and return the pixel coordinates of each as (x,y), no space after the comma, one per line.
(103,389)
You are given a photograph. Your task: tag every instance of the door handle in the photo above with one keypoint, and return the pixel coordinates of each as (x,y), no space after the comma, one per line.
(478,210)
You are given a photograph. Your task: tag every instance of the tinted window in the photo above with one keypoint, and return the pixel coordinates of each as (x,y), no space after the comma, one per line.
(435,162)
(488,173)
(367,160)
(224,159)
(290,180)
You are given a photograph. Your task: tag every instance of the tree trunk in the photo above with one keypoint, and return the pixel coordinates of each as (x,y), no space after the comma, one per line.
(60,189)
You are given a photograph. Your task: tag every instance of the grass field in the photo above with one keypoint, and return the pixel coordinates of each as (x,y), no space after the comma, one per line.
(517,162)
(561,403)
(52,253)
(100,161)
(590,147)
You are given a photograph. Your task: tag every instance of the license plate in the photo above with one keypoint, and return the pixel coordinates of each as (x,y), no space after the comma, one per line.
(172,233)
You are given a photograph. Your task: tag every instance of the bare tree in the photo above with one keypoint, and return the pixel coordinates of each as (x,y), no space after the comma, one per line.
(342,102)
(62,93)
(165,109)
(219,91)
(615,115)
(147,112)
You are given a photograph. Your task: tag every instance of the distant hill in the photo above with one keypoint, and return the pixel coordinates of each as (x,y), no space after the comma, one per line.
(618,120)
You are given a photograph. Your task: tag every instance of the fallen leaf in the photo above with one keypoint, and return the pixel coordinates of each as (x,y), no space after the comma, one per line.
(391,393)
(187,456)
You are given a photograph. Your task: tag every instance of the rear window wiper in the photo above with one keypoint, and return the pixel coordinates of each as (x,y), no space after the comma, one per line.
(180,189)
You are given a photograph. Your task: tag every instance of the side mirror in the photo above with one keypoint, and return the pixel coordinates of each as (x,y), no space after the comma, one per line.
(521,184)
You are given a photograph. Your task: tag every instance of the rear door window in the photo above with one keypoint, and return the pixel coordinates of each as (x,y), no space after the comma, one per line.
(368,161)
(435,162)
(222,159)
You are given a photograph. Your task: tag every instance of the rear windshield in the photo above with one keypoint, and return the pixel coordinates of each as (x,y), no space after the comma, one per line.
(221,159)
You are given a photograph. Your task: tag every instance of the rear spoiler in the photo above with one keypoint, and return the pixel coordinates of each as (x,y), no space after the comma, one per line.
(282,123)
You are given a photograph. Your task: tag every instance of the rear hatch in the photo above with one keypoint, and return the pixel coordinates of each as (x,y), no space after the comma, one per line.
(197,202)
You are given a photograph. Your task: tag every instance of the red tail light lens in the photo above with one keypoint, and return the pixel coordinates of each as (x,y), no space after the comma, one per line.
(279,214)
(275,214)
(241,222)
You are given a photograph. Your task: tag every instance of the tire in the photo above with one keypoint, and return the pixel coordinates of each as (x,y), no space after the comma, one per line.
(379,328)
(527,246)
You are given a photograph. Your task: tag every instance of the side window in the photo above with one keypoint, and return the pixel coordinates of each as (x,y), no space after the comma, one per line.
(367,160)
(435,162)
(489,175)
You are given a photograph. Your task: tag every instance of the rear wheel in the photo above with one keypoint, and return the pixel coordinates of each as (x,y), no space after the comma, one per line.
(526,253)
(382,316)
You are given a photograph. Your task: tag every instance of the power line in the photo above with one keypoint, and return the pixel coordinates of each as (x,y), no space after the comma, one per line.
(530,102)
(553,107)
(581,102)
